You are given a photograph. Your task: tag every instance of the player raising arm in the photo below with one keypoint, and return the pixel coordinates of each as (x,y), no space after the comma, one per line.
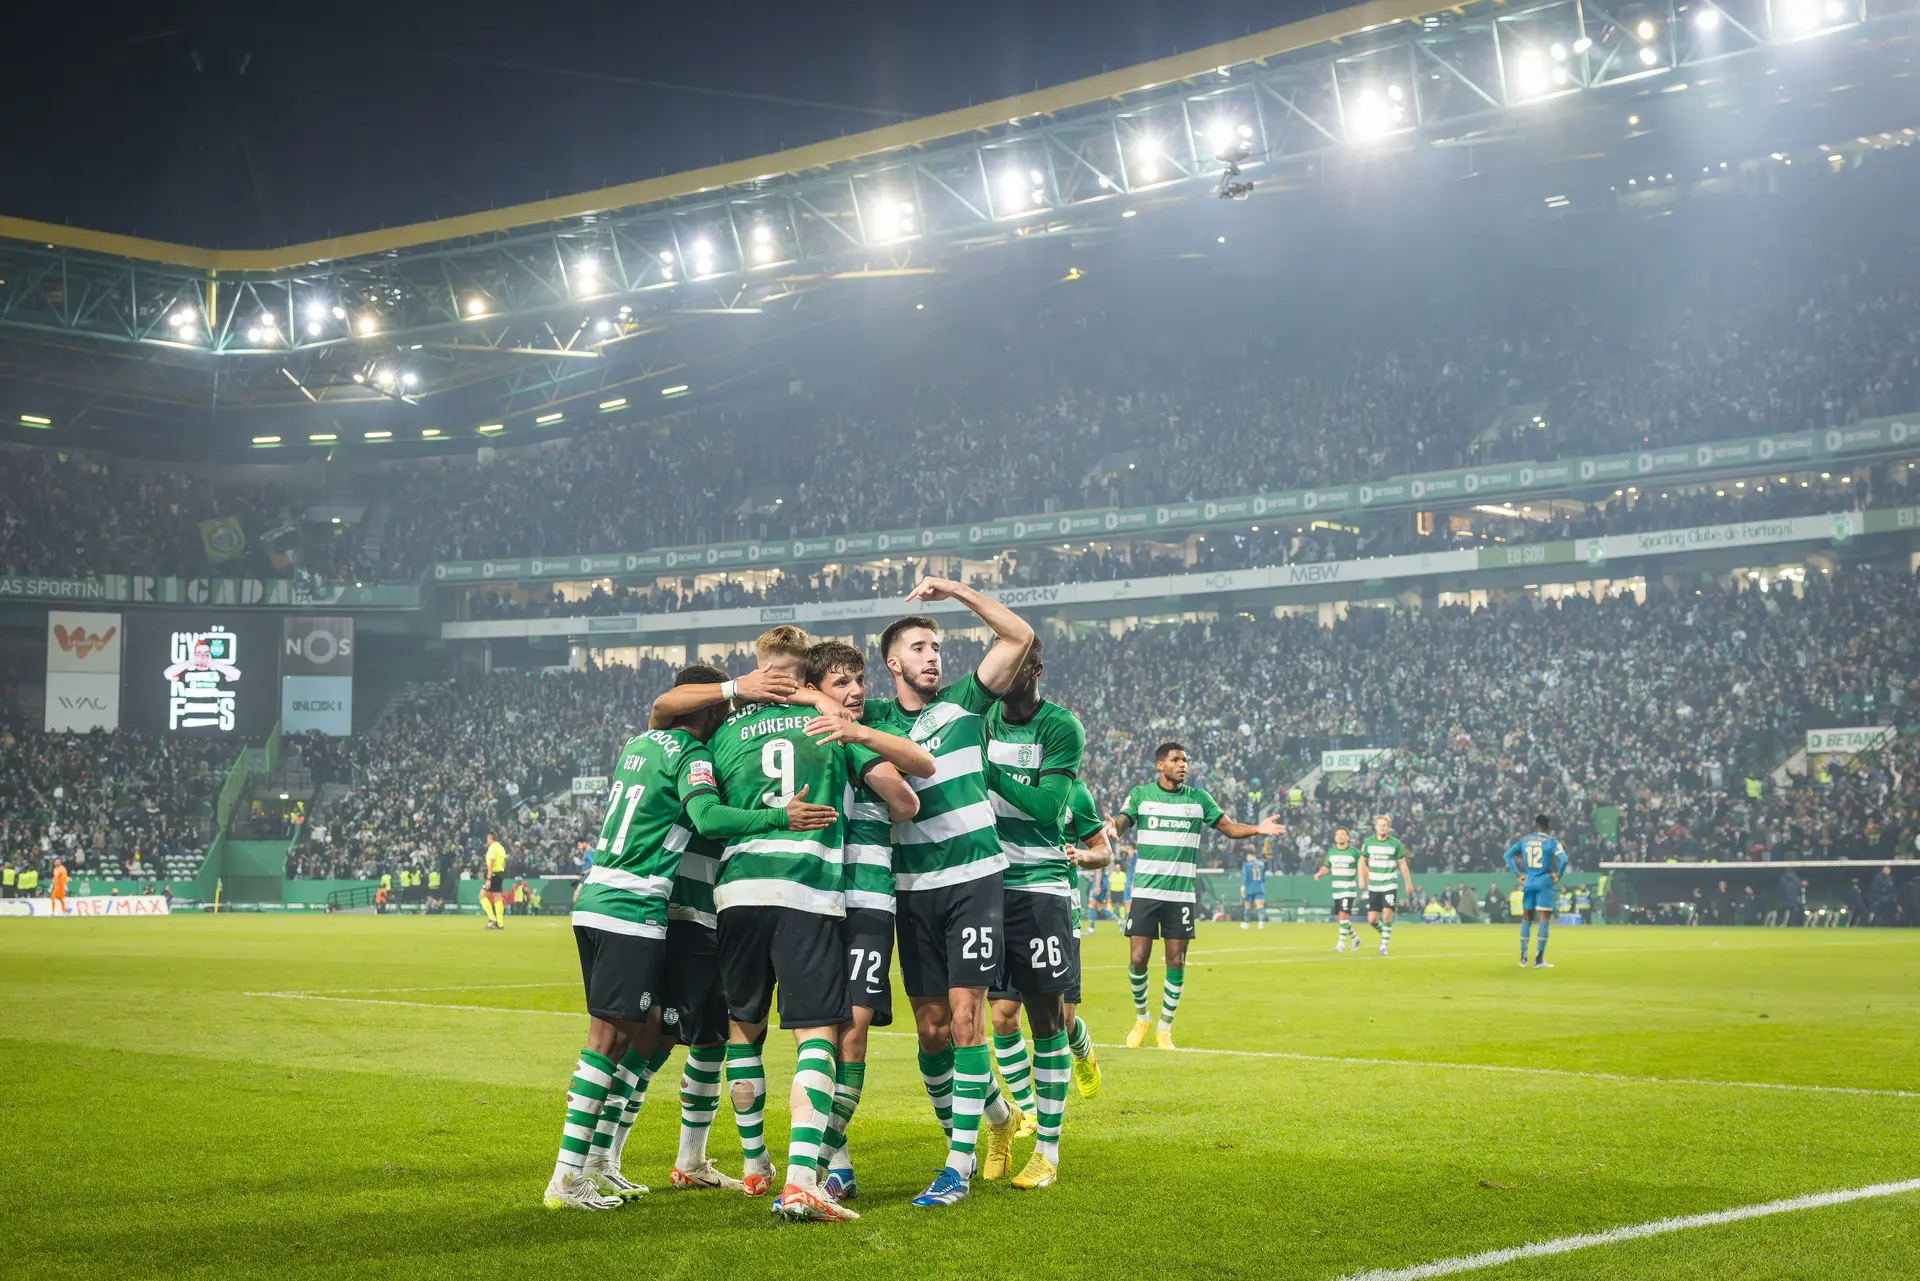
(948,867)
(1539,861)
(1383,871)
(1169,816)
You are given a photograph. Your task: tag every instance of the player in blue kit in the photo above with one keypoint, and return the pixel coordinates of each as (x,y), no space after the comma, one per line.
(1538,861)
(1253,891)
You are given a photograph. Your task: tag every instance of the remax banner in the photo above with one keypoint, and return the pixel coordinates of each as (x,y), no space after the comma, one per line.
(316,675)
(83,671)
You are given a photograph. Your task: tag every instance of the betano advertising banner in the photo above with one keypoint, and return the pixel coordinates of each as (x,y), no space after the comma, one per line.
(316,675)
(1846,742)
(83,671)
(1427,489)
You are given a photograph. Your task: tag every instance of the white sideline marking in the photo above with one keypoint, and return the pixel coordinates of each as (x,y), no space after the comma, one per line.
(452,987)
(421,1005)
(1632,1232)
(1245,1054)
(1368,954)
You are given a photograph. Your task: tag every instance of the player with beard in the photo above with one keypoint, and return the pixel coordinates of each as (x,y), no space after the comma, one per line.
(1034,748)
(948,867)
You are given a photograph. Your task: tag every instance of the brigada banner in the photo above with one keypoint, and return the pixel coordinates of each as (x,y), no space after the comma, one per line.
(83,671)
(1428,489)
(217,593)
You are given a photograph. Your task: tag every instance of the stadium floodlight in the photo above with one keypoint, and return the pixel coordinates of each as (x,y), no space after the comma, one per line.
(314,328)
(1647,56)
(1645,30)
(409,379)
(1013,188)
(763,254)
(603,327)
(339,312)
(1530,73)
(369,324)
(322,437)
(608,406)
(1582,44)
(544,419)
(1707,19)
(1558,52)
(374,435)
(266,440)
(267,321)
(666,258)
(1367,118)
(429,433)
(586,268)
(762,234)
(384,377)
(317,310)
(253,334)
(476,306)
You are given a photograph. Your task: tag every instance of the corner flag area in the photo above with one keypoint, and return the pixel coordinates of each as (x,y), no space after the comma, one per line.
(279,1095)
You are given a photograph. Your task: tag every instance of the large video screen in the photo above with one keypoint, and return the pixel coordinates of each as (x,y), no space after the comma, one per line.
(206,674)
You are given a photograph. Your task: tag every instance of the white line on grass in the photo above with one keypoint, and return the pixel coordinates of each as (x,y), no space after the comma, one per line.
(1246,1054)
(1632,1232)
(418,1005)
(452,987)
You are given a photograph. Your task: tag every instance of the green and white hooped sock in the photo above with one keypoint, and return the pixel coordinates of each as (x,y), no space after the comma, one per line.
(747,1089)
(643,1068)
(813,1075)
(1137,981)
(1079,1039)
(1010,1052)
(1170,995)
(936,1073)
(586,1094)
(972,1082)
(1051,1070)
(699,1101)
(848,1079)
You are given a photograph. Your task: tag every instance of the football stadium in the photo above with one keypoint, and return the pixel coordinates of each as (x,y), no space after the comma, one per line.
(1298,656)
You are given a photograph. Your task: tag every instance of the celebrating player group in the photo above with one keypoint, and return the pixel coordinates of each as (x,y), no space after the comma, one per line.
(771,843)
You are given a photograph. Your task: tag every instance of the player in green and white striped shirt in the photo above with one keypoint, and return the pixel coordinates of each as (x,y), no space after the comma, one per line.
(781,899)
(662,794)
(1383,869)
(1034,753)
(948,866)
(1168,817)
(1342,863)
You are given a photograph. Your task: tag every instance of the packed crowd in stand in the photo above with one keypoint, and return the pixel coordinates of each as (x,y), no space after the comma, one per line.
(1093,399)
(1882,485)
(453,760)
(1639,724)
(111,805)
(66,515)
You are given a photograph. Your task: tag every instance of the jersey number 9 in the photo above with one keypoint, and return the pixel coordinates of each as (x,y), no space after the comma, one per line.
(776,762)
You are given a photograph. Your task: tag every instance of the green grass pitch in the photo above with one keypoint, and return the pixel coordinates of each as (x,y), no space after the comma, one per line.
(162,1114)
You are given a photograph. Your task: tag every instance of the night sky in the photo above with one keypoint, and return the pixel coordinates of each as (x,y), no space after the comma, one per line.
(232,124)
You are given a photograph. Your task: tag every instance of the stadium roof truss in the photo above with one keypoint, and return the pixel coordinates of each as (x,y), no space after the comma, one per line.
(547,298)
